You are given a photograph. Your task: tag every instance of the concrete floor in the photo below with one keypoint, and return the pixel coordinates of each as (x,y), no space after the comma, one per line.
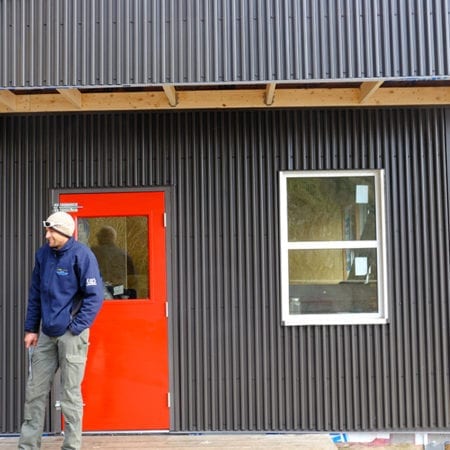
(208,441)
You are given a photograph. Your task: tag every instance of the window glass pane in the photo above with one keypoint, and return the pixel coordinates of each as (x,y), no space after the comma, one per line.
(121,247)
(331,208)
(333,281)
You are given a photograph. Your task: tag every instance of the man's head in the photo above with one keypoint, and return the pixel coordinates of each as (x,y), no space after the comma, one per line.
(59,228)
(106,235)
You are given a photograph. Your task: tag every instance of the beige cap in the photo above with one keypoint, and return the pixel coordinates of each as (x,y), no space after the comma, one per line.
(61,222)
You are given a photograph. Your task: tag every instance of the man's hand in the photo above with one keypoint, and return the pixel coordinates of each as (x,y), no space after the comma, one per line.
(30,339)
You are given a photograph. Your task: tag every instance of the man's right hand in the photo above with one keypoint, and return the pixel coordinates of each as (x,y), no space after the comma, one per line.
(30,339)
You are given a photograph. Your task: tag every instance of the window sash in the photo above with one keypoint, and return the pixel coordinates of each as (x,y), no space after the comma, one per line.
(379,317)
(318,245)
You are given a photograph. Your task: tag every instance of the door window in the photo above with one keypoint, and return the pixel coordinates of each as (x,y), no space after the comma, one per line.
(120,245)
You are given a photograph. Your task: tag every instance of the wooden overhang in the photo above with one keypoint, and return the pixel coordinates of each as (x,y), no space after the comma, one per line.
(326,94)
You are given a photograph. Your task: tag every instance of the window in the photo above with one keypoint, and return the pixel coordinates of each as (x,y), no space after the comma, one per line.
(333,247)
(120,246)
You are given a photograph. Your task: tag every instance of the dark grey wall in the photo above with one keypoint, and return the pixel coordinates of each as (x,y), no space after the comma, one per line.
(235,367)
(104,42)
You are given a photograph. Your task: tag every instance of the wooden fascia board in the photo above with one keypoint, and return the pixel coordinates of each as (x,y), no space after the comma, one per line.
(8,101)
(319,97)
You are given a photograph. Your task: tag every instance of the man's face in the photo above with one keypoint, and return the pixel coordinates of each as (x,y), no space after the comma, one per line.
(55,240)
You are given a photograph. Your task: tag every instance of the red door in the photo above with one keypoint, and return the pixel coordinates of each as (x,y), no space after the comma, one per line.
(126,382)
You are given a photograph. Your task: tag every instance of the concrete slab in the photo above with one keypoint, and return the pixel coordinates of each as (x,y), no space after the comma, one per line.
(232,441)
(183,442)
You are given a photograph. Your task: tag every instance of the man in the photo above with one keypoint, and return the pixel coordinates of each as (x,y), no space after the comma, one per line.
(65,296)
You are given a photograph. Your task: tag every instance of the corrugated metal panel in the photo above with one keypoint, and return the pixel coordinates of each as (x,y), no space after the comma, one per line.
(123,42)
(234,366)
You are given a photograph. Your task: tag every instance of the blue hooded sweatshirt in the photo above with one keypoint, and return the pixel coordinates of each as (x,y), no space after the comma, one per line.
(66,290)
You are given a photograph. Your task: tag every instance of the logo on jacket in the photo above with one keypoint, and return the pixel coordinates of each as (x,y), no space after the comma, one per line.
(62,272)
(91,282)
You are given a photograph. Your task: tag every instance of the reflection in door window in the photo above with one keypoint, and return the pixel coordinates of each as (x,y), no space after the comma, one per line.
(120,245)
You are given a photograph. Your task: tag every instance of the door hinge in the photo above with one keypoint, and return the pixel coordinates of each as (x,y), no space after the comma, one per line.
(165,220)
(167,309)
(168,399)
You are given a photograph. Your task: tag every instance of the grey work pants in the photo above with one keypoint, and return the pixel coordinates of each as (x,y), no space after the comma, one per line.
(69,353)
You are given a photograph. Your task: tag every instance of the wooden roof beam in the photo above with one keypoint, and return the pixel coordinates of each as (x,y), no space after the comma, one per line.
(8,99)
(317,97)
(270,93)
(368,89)
(73,96)
(171,94)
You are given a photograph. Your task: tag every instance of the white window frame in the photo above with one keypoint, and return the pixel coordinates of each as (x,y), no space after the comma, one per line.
(381,316)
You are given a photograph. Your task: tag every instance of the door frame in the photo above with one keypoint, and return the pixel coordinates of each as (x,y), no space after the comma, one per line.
(55,414)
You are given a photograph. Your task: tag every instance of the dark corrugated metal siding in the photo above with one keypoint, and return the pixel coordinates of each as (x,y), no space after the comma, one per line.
(100,42)
(234,366)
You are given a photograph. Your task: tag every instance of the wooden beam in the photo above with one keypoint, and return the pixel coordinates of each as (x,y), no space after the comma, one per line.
(368,89)
(73,96)
(171,94)
(318,97)
(8,100)
(270,93)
